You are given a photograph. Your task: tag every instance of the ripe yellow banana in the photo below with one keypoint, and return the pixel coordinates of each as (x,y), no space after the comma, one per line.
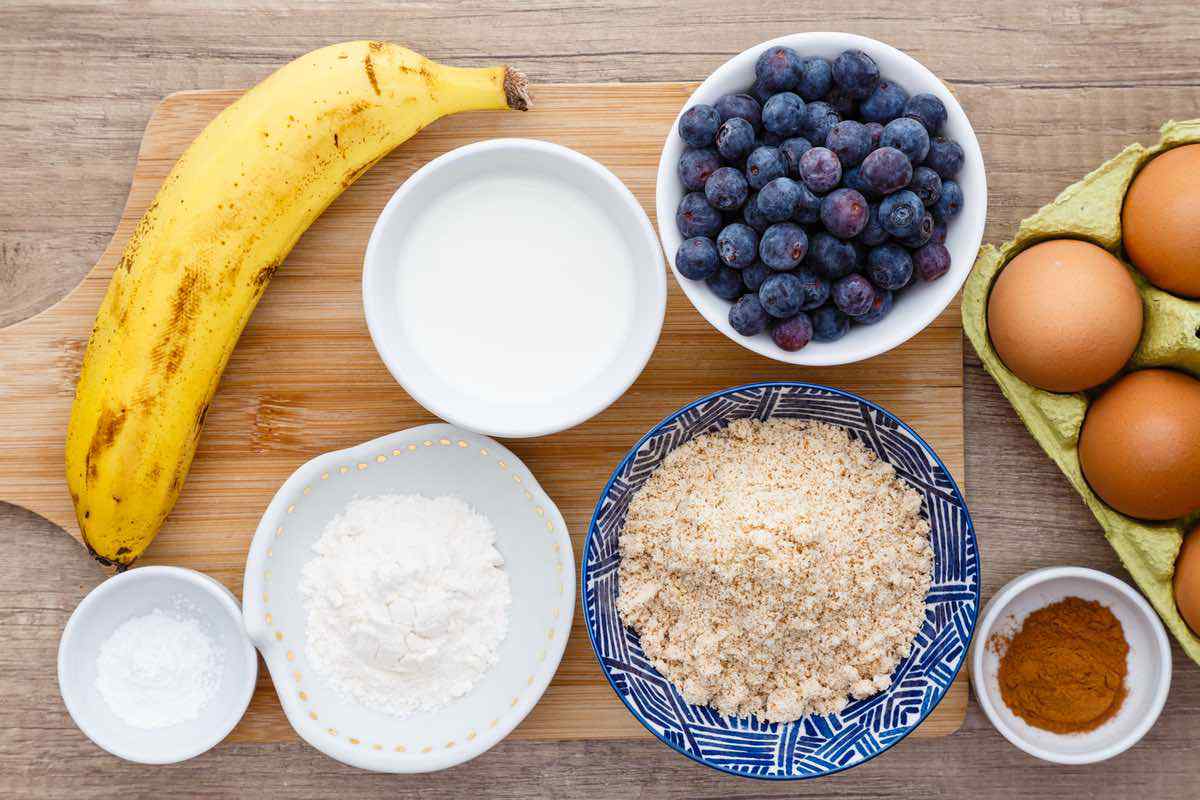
(200,258)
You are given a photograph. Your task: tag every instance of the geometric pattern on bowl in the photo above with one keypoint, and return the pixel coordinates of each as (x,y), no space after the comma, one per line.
(814,745)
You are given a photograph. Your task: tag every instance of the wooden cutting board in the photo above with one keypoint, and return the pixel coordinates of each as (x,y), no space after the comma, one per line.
(305,378)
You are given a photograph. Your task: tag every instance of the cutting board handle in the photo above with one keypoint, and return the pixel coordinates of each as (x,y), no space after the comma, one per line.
(39,365)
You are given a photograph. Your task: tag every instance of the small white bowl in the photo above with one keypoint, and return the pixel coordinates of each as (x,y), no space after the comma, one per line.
(457,403)
(1148,679)
(135,593)
(431,460)
(917,305)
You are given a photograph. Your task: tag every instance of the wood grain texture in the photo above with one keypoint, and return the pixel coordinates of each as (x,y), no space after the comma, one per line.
(1052,90)
(305,378)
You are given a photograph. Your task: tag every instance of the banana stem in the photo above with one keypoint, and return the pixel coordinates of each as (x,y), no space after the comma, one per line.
(516,90)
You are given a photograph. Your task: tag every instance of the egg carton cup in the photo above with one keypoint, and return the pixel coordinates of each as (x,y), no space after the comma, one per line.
(1091,210)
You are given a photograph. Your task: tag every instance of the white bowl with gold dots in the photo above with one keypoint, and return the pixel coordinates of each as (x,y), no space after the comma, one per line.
(431,460)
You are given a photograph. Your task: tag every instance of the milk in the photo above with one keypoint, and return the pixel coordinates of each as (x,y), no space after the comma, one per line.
(515,288)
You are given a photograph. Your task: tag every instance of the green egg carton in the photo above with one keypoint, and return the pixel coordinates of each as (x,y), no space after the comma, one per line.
(1091,210)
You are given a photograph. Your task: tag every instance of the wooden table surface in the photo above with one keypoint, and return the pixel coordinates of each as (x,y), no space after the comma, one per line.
(1051,91)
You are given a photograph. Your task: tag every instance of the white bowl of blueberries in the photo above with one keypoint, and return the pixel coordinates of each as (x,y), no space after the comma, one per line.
(821,198)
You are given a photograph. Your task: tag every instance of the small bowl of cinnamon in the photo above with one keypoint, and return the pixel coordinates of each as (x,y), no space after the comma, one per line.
(1070,664)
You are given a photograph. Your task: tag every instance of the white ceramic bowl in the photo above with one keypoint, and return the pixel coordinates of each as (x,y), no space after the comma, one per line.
(432,460)
(450,401)
(917,305)
(1148,681)
(182,592)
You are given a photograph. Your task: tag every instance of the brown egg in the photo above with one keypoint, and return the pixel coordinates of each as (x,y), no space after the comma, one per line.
(1065,315)
(1140,444)
(1187,580)
(1161,221)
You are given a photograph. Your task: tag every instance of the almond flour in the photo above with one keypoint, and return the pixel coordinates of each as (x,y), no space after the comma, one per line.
(775,568)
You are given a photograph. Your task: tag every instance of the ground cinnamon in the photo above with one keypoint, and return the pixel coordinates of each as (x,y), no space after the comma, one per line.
(1064,670)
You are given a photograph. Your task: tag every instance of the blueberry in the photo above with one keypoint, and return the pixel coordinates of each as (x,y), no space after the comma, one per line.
(759,92)
(889,266)
(829,324)
(901,213)
(735,139)
(850,141)
(777,200)
(904,134)
(932,261)
(769,139)
(844,213)
(791,150)
(831,257)
(814,110)
(820,170)
(819,119)
(755,274)
(695,217)
(926,185)
(921,235)
(938,234)
(857,73)
(783,246)
(725,283)
(784,114)
(793,334)
(885,103)
(876,131)
(860,255)
(698,125)
(808,207)
(777,68)
(880,306)
(853,294)
(950,203)
(820,130)
(752,216)
(741,106)
(782,294)
(853,179)
(945,157)
(887,169)
(696,258)
(765,164)
(872,233)
(841,102)
(814,78)
(927,110)
(816,288)
(696,165)
(726,189)
(737,244)
(747,316)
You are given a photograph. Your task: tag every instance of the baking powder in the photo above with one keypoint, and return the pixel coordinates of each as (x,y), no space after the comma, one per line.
(158,670)
(407,602)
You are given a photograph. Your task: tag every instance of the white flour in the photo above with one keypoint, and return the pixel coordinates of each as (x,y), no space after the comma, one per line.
(407,601)
(158,670)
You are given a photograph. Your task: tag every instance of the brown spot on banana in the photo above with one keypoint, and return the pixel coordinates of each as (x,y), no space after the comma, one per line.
(370,67)
(354,174)
(171,346)
(262,278)
(108,426)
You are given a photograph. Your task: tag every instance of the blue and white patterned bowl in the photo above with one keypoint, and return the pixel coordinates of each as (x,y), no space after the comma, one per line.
(814,745)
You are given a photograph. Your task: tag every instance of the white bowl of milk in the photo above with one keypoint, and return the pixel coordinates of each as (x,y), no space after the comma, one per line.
(514,287)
